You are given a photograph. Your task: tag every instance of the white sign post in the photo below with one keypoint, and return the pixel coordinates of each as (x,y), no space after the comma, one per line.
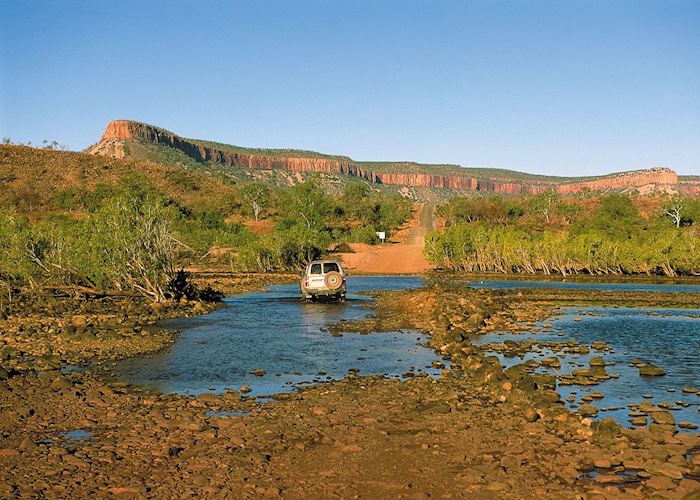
(381,235)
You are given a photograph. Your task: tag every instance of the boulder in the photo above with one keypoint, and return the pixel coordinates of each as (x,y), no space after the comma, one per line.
(649,370)
(663,418)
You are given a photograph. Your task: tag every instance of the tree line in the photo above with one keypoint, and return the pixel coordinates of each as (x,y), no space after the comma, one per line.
(131,238)
(548,235)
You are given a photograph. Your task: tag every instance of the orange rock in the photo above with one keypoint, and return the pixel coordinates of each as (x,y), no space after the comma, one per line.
(119,130)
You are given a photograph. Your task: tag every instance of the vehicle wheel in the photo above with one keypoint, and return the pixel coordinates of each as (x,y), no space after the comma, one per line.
(333,280)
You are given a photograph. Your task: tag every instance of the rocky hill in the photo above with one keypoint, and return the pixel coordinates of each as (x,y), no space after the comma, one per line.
(34,179)
(129,139)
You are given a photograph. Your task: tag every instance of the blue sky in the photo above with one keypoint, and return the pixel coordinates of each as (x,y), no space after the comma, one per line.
(552,87)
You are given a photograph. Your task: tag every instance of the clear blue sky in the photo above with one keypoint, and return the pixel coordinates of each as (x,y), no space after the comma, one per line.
(553,87)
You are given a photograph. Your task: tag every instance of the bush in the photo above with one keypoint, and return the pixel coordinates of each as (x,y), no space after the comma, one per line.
(289,250)
(364,234)
(17,243)
(126,244)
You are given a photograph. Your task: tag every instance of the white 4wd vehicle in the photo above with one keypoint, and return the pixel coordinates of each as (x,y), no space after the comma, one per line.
(324,278)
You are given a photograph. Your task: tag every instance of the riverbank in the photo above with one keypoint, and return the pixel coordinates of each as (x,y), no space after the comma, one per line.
(42,331)
(478,431)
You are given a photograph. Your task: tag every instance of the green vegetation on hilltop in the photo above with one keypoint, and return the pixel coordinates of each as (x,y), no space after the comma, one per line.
(280,152)
(545,234)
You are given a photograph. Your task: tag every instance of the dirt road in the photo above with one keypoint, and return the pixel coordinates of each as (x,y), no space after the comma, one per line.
(404,256)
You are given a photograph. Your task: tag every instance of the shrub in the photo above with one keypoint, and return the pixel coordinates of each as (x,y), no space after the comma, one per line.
(364,234)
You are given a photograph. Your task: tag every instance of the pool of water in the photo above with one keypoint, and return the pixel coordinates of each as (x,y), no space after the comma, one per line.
(77,435)
(668,338)
(587,285)
(274,331)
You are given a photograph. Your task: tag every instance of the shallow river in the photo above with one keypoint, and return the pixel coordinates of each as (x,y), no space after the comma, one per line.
(668,338)
(274,331)
(587,285)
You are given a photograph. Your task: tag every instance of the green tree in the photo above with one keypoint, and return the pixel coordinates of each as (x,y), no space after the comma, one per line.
(545,204)
(310,204)
(681,210)
(257,197)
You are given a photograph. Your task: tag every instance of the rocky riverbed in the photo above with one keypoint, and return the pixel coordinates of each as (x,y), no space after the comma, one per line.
(477,431)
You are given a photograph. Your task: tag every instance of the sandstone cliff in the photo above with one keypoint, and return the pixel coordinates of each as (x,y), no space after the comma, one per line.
(118,131)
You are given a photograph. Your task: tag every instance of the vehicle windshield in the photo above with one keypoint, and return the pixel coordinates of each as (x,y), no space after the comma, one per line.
(315,269)
(331,266)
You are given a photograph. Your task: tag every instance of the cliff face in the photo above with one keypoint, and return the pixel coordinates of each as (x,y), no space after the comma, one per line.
(119,130)
(689,186)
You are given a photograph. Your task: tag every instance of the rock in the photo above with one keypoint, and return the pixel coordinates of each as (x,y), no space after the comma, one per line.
(27,444)
(687,425)
(606,431)
(662,430)
(663,418)
(602,462)
(692,487)
(691,390)
(496,486)
(607,479)
(208,397)
(60,383)
(531,414)
(639,421)
(245,389)
(552,362)
(509,462)
(258,373)
(667,469)
(587,410)
(597,361)
(660,483)
(649,370)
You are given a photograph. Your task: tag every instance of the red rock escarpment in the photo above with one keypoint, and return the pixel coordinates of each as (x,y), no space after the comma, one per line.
(129,130)
(689,186)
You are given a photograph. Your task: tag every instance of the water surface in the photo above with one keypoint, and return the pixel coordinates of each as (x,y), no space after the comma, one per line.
(276,332)
(669,338)
(586,285)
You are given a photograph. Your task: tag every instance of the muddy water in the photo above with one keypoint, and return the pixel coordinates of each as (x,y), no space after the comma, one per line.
(275,332)
(669,338)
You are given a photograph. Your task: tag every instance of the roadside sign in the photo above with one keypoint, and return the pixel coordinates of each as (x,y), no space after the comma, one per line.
(381,235)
